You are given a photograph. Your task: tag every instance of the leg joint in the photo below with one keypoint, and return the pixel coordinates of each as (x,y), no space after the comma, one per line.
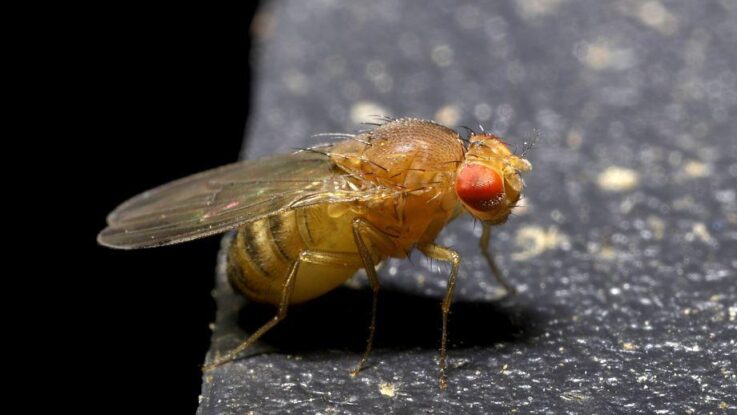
(304,256)
(455,258)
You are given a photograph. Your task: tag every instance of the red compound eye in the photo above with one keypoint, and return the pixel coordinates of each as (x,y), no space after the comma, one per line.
(480,187)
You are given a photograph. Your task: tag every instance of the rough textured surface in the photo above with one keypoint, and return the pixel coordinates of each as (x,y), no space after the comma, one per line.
(624,253)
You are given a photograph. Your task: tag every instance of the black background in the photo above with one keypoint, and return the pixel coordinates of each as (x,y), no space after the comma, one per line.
(170,98)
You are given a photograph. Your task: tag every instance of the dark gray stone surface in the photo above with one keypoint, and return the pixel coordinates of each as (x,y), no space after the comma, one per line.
(624,253)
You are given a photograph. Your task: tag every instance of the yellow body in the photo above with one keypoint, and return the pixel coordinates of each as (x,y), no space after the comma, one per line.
(416,160)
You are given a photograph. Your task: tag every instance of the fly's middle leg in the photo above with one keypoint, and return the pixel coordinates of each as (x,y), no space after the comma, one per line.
(362,230)
(440,253)
(486,251)
(307,256)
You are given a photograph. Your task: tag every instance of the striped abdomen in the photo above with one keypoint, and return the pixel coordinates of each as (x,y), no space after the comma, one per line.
(262,252)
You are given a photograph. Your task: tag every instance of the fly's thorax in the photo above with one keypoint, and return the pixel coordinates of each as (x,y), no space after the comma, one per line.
(415,162)
(488,182)
(405,152)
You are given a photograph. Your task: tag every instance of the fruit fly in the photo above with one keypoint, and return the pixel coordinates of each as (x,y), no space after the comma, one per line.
(306,222)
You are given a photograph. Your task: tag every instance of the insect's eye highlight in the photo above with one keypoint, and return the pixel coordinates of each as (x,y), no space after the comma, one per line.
(480,187)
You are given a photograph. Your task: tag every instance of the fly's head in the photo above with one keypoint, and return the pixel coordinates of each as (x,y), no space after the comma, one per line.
(488,182)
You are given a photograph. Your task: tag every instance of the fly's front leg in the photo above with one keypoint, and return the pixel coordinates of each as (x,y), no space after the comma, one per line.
(363,229)
(484,245)
(311,257)
(440,253)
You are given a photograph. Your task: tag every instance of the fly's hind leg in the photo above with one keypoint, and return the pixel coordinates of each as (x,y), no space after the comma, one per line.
(484,245)
(440,253)
(311,257)
(364,229)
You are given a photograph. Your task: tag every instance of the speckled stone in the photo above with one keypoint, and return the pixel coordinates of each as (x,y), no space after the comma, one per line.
(624,253)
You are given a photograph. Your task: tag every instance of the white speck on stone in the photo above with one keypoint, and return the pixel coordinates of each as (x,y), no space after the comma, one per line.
(367,111)
(657,226)
(448,115)
(535,240)
(388,389)
(655,15)
(694,348)
(531,9)
(617,179)
(602,55)
(701,232)
(696,169)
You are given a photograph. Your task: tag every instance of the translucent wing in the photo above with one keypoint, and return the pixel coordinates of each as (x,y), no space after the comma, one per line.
(223,198)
